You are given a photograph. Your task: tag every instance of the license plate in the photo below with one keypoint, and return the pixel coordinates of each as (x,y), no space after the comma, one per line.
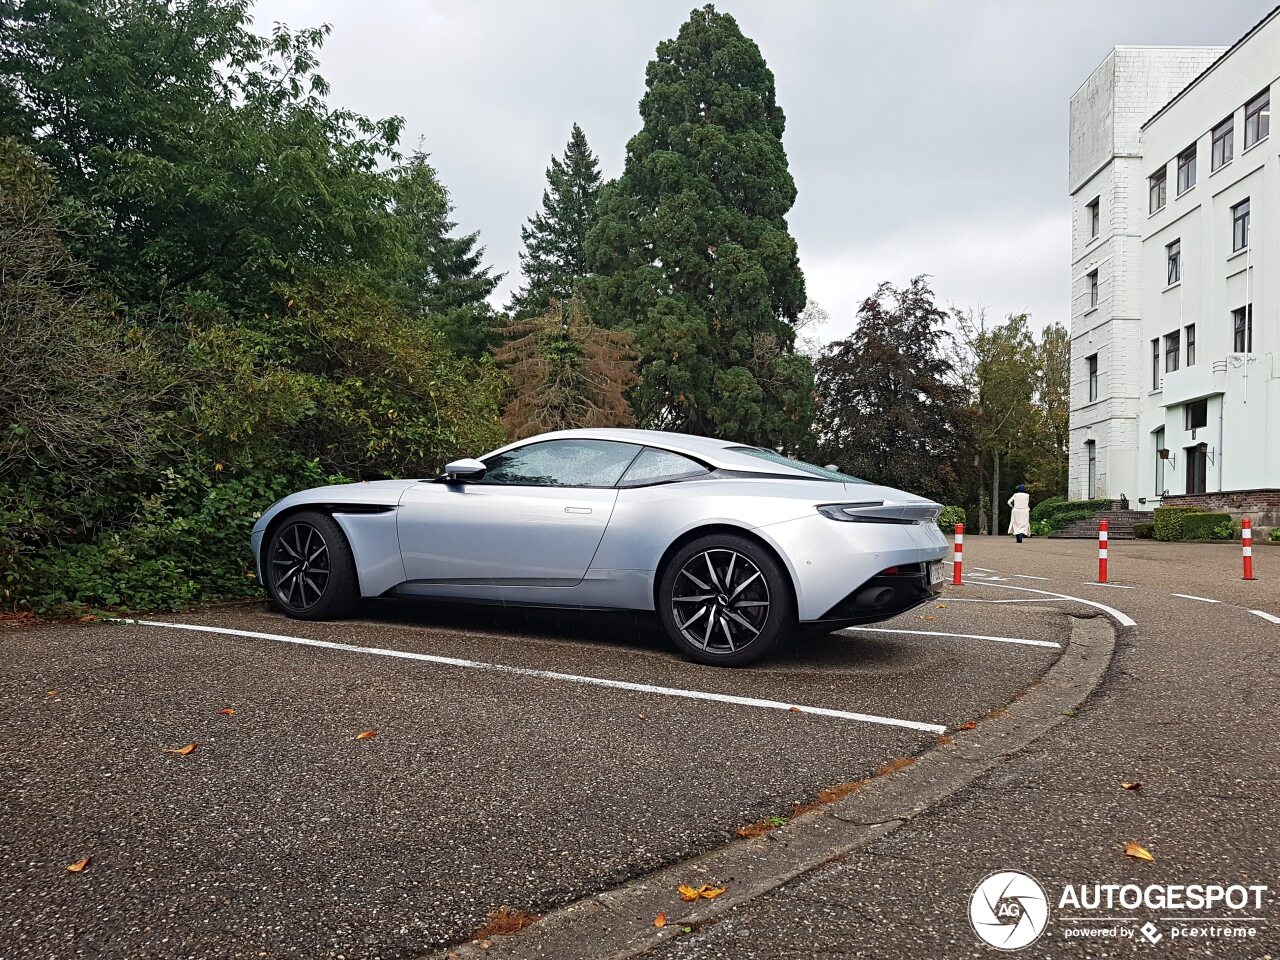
(935,573)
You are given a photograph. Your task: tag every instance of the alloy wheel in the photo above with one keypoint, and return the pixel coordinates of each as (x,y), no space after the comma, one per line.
(300,566)
(720,601)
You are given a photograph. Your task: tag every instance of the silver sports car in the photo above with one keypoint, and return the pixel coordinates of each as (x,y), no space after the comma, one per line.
(734,546)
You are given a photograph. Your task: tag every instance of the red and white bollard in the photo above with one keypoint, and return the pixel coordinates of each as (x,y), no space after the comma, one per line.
(1102,551)
(955,570)
(1246,537)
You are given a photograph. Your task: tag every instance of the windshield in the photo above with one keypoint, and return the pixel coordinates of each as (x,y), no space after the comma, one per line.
(822,473)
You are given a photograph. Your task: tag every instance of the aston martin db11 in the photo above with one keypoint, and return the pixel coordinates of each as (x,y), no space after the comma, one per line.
(734,547)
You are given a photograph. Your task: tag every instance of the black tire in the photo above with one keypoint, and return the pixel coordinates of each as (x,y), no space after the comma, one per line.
(737,588)
(309,570)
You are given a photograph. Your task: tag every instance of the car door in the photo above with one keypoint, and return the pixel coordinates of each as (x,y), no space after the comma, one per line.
(536,516)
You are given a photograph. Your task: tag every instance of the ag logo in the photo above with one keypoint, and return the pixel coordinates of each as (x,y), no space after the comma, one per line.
(1009,910)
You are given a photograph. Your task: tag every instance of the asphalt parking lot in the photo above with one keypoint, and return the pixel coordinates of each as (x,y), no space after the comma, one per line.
(501,772)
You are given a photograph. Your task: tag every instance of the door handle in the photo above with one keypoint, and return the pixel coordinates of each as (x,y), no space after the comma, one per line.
(577,509)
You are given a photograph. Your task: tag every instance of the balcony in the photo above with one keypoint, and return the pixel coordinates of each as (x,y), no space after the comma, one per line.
(1190,383)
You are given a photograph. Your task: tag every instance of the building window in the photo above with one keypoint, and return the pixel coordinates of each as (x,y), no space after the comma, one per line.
(1093,377)
(1242,325)
(1158,182)
(1197,414)
(1240,225)
(1187,169)
(1221,150)
(1257,118)
(1171,352)
(1091,448)
(1093,289)
(1091,213)
(1190,331)
(1155,363)
(1173,256)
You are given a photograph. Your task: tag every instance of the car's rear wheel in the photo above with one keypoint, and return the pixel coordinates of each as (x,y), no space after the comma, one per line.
(724,600)
(310,571)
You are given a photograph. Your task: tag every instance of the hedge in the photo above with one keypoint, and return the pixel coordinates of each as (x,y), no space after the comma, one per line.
(1144,531)
(949,517)
(1188,523)
(1055,513)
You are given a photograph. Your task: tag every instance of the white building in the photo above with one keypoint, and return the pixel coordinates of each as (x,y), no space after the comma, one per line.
(1175,323)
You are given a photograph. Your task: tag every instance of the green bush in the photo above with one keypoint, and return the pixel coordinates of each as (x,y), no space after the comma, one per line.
(1169,522)
(1208,526)
(1046,506)
(1144,531)
(1041,528)
(1055,513)
(949,517)
(1188,523)
(1274,536)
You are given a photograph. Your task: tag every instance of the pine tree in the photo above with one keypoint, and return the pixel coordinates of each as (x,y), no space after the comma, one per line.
(554,258)
(691,250)
(565,372)
(444,280)
(891,409)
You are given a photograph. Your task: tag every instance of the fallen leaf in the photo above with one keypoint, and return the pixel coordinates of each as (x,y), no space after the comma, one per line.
(942,606)
(228,711)
(642,716)
(79,865)
(706,892)
(181,751)
(367,735)
(794,710)
(1137,851)
(51,693)
(968,725)
(660,920)
(1131,786)
(930,618)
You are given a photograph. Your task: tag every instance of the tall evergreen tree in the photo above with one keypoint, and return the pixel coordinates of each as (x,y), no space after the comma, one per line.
(691,250)
(444,277)
(565,372)
(554,257)
(891,409)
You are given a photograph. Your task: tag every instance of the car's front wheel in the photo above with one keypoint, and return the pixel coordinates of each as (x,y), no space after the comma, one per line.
(309,568)
(725,601)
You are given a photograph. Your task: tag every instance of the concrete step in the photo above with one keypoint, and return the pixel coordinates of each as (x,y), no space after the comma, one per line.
(1119,525)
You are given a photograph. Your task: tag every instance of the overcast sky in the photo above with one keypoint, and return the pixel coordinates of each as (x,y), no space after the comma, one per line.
(924,137)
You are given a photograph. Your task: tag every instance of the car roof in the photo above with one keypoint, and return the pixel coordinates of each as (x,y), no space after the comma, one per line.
(718,453)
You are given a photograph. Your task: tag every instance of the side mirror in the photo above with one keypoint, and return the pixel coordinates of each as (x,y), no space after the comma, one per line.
(466,469)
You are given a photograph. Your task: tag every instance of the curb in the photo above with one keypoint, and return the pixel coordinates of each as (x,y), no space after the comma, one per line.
(619,923)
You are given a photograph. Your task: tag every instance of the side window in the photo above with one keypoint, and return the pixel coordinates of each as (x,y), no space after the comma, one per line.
(661,466)
(562,463)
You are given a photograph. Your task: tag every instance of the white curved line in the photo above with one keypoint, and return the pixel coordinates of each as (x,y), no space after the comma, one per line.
(1121,618)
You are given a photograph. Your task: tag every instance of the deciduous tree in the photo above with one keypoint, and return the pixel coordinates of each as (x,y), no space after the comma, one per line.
(890,407)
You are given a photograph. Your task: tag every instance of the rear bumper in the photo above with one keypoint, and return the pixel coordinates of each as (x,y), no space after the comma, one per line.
(897,593)
(832,561)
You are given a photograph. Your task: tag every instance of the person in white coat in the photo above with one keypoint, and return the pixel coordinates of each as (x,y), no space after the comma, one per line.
(1020,515)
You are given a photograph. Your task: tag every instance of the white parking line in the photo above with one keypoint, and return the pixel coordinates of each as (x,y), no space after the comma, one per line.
(551,675)
(962,636)
(983,569)
(1265,616)
(1122,618)
(1027,576)
(1190,596)
(1113,586)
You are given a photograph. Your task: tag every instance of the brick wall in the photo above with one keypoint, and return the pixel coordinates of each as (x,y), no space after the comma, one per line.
(1261,506)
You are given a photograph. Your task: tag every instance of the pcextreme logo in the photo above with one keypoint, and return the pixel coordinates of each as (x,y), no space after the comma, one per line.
(1009,910)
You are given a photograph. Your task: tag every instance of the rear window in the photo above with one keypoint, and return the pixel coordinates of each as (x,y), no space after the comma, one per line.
(770,456)
(660,466)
